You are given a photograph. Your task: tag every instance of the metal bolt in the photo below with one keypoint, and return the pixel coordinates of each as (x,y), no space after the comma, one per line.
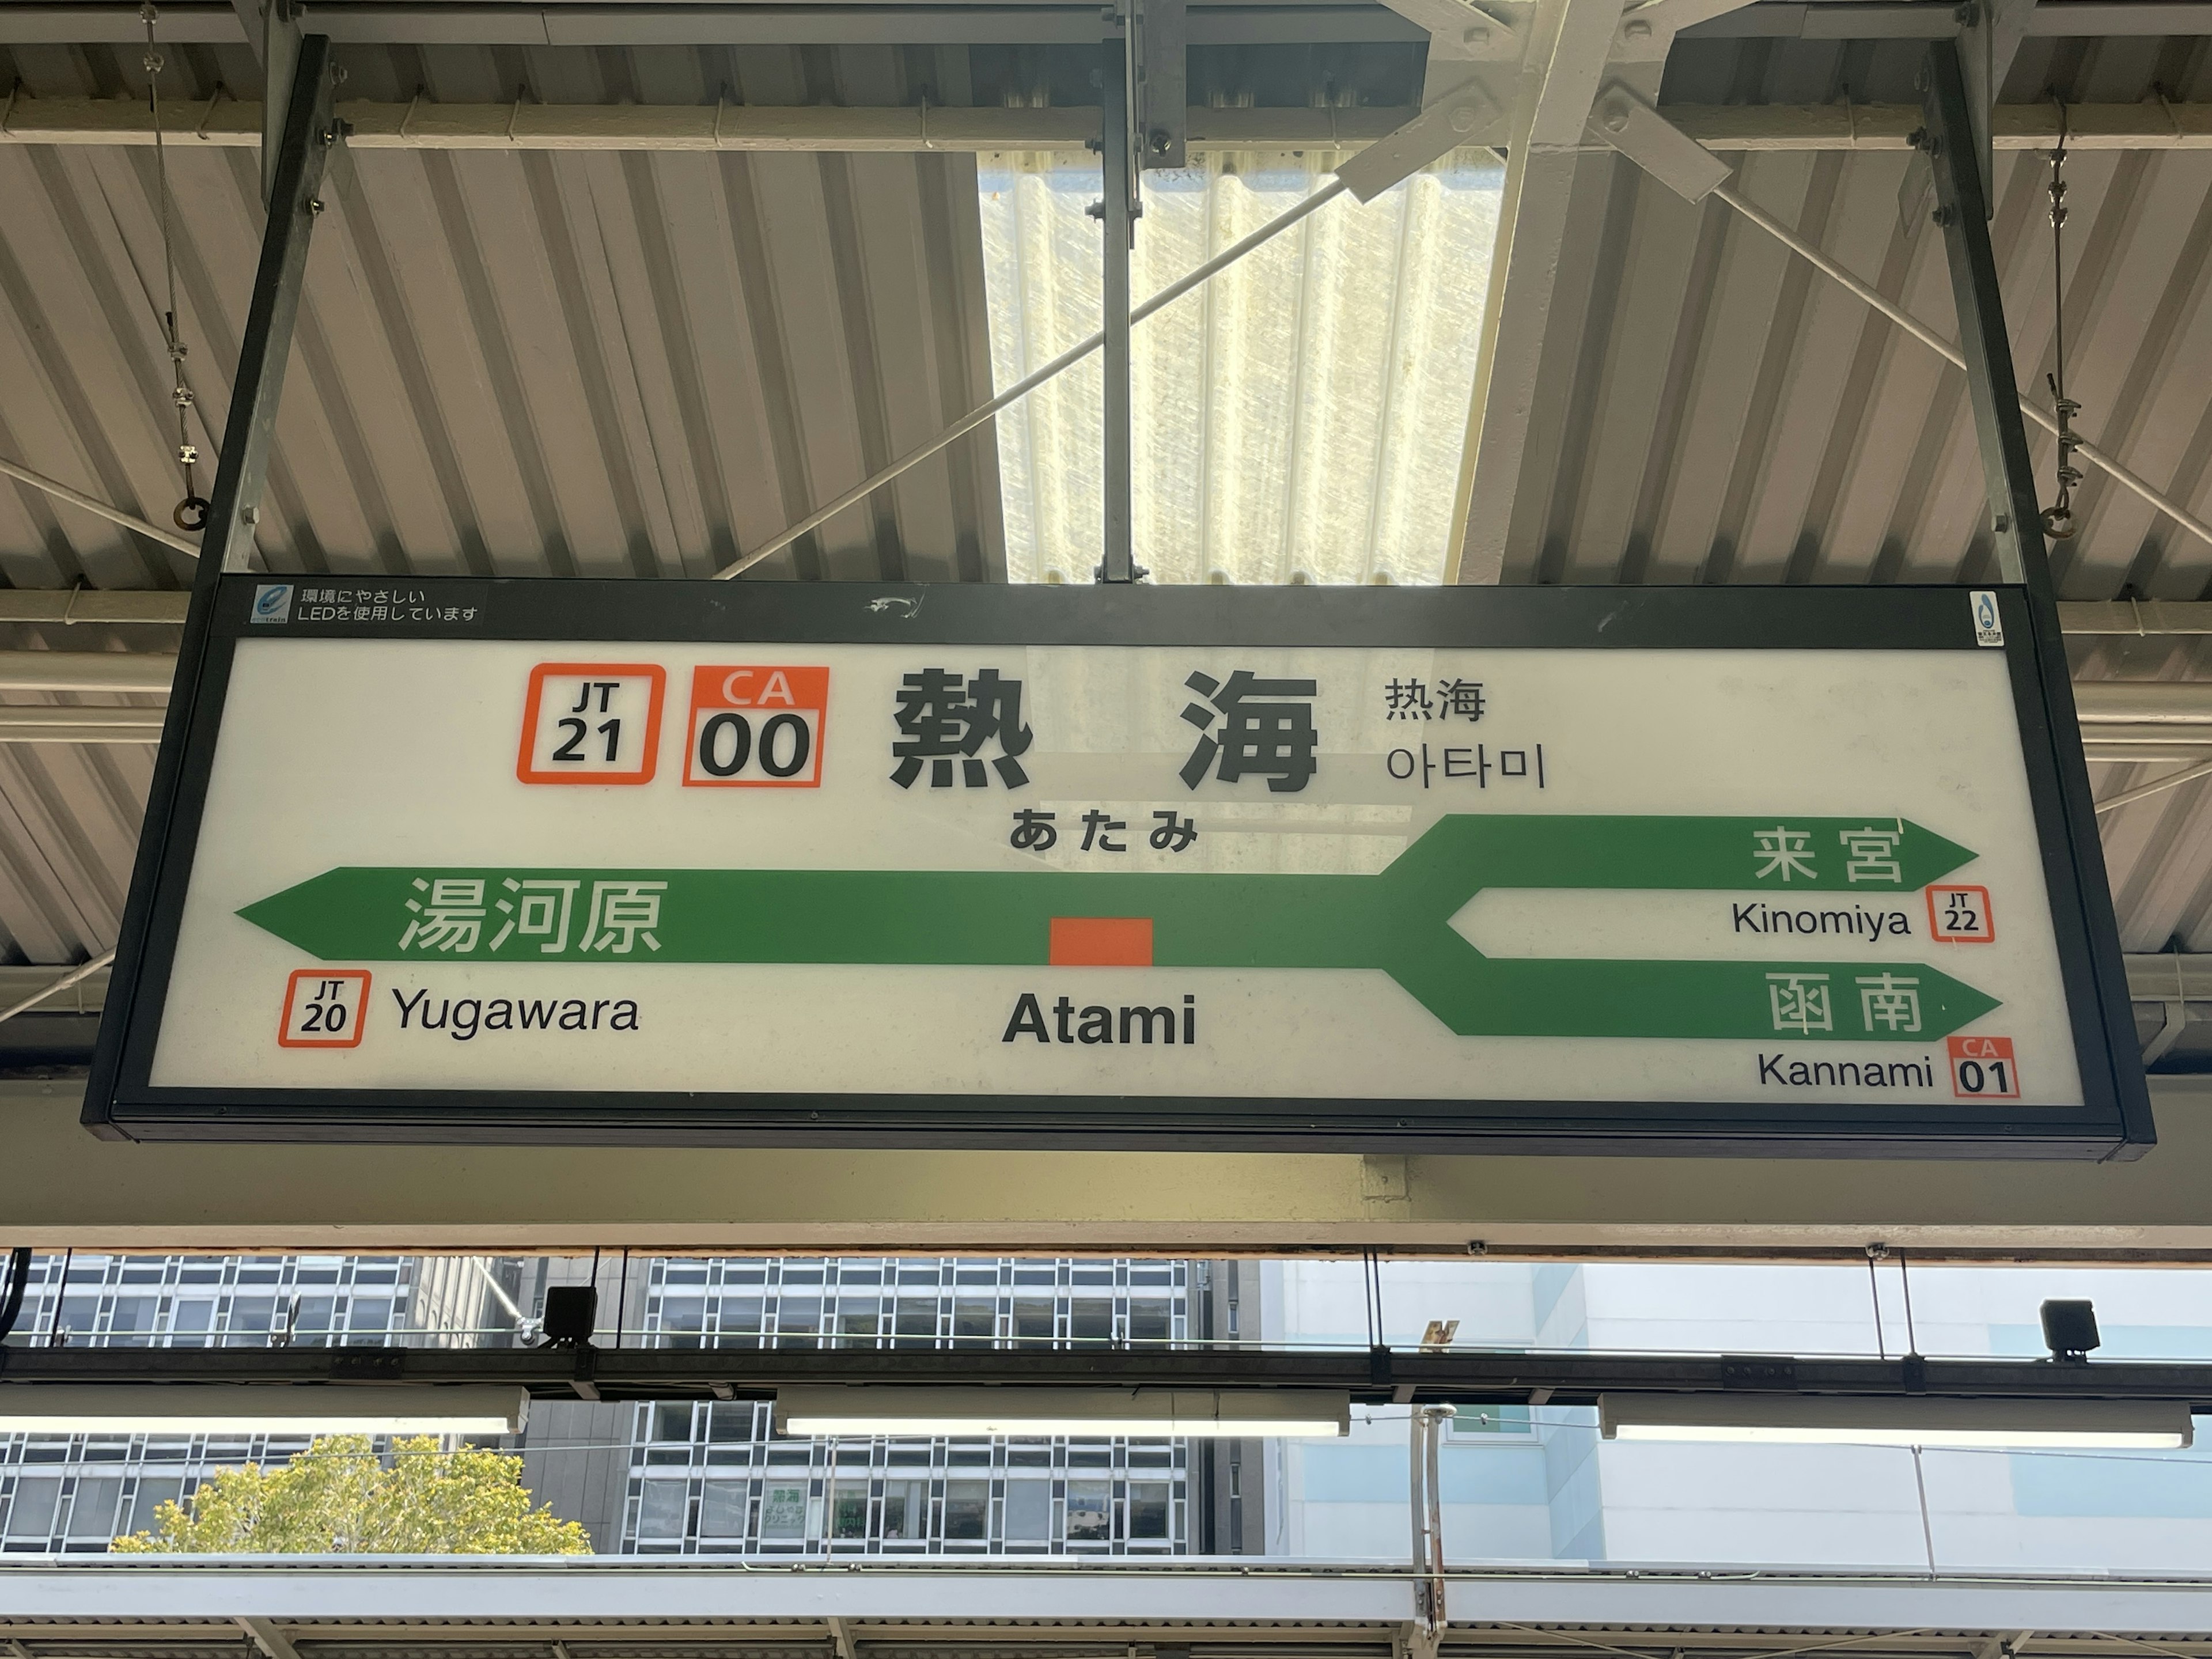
(1464,117)
(250,514)
(1477,36)
(1636,28)
(1615,115)
(1944,215)
(316,205)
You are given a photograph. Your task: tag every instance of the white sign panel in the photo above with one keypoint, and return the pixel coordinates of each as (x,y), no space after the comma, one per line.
(1294,884)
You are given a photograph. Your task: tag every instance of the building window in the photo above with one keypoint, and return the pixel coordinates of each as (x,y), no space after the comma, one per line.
(909,1497)
(967,1509)
(1029,1511)
(1089,1512)
(783,1510)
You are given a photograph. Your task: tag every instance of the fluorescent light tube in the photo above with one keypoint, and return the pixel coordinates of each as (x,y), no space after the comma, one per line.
(1830,1420)
(1148,1414)
(257,1408)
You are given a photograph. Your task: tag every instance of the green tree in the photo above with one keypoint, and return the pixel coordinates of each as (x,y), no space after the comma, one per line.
(339,1497)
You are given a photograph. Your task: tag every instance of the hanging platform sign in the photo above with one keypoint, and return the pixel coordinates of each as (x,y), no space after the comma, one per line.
(822,864)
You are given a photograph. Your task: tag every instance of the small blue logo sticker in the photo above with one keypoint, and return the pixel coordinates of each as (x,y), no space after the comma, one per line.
(272,602)
(1989,623)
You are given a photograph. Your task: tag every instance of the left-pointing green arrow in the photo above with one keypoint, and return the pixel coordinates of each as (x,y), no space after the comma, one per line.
(1396,923)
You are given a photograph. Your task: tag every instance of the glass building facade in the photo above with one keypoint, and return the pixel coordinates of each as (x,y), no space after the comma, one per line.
(712,1479)
(658,1479)
(72,1494)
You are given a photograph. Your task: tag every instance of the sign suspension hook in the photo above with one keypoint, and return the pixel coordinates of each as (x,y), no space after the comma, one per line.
(2058,518)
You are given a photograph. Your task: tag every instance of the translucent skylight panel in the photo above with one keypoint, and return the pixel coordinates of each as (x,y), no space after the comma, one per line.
(1299,418)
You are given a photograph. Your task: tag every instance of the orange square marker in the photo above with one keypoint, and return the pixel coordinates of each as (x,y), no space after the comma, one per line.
(758,727)
(1983,1068)
(1961,916)
(609,733)
(331,1013)
(1102,942)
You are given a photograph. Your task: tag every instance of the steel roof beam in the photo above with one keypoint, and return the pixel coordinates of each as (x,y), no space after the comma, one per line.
(599,127)
(1469,1376)
(1838,19)
(1570,44)
(86,671)
(1087,1605)
(710,25)
(896,130)
(215,24)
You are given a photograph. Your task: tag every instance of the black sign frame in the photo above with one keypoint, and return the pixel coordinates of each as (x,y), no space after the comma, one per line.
(2114,1120)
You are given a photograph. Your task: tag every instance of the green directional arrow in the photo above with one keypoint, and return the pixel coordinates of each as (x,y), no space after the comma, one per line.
(1396,922)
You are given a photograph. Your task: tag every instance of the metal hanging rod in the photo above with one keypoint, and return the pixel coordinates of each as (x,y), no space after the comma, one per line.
(1935,342)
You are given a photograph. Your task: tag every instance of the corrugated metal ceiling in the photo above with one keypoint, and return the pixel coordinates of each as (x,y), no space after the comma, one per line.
(1712,409)
(614,365)
(644,364)
(633,365)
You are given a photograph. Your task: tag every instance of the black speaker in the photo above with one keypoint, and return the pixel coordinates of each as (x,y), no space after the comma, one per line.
(572,1313)
(2069,1329)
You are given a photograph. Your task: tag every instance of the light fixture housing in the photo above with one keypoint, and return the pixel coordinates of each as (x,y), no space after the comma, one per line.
(1138,1413)
(1910,1420)
(258,1408)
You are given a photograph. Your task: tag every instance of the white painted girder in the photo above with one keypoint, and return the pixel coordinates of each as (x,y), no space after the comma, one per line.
(71,123)
(1574,47)
(415,1601)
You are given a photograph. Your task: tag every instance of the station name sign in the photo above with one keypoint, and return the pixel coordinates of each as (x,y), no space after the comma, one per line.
(830,865)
